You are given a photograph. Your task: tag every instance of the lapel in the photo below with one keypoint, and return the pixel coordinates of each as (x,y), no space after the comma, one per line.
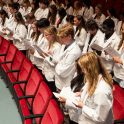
(110,40)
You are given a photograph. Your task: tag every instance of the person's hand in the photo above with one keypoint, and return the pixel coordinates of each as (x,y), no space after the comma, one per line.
(78,94)
(43,71)
(49,52)
(3,29)
(32,51)
(4,33)
(62,99)
(80,104)
(11,34)
(83,53)
(105,52)
(116,60)
(43,55)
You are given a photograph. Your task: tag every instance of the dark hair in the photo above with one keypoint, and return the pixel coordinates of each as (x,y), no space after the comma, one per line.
(87,2)
(14,6)
(112,12)
(70,18)
(30,16)
(52,16)
(19,18)
(36,6)
(109,22)
(78,82)
(46,2)
(37,33)
(3,12)
(91,25)
(82,23)
(62,14)
(69,4)
(43,23)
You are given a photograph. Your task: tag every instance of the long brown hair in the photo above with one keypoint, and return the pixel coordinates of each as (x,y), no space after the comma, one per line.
(35,35)
(26,4)
(122,39)
(93,66)
(52,16)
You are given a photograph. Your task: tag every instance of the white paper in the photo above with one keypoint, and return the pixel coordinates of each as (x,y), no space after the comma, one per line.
(27,44)
(41,50)
(4,8)
(96,47)
(112,52)
(57,95)
(69,95)
(9,30)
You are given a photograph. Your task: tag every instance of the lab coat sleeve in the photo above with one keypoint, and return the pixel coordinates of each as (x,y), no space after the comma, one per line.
(102,106)
(91,12)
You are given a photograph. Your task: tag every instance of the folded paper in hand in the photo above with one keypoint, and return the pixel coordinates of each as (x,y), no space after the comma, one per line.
(69,95)
(112,52)
(9,30)
(27,44)
(96,47)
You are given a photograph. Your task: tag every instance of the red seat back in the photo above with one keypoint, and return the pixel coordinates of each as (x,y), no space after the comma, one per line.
(53,114)
(25,72)
(4,48)
(1,41)
(17,63)
(41,100)
(33,84)
(10,55)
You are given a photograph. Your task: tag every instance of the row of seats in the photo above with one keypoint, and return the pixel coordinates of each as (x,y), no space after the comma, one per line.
(31,94)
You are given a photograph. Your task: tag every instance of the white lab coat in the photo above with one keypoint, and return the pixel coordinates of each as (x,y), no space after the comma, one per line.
(118,29)
(69,11)
(63,22)
(20,32)
(5,24)
(99,21)
(115,21)
(113,41)
(81,38)
(97,109)
(98,39)
(25,12)
(43,13)
(30,31)
(65,68)
(88,13)
(118,68)
(79,13)
(38,60)
(52,3)
(49,66)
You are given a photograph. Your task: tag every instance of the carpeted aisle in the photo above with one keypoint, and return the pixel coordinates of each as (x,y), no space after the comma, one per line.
(8,110)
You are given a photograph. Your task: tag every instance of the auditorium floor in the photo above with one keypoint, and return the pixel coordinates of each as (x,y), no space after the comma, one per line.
(8,110)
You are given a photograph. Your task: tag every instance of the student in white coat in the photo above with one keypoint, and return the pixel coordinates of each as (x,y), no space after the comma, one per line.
(61,17)
(51,2)
(77,8)
(118,68)
(20,32)
(87,10)
(68,7)
(53,49)
(94,36)
(119,26)
(111,39)
(59,4)
(80,33)
(70,20)
(77,85)
(52,15)
(69,52)
(44,11)
(4,19)
(41,41)
(112,14)
(99,17)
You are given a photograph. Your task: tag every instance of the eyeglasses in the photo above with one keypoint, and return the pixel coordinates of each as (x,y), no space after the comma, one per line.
(33,27)
(61,37)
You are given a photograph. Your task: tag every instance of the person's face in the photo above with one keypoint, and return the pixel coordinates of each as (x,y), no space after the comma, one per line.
(50,10)
(106,29)
(43,6)
(66,2)
(11,10)
(49,37)
(108,13)
(123,29)
(32,5)
(75,6)
(0,16)
(34,27)
(41,30)
(97,11)
(76,22)
(28,20)
(92,32)
(64,39)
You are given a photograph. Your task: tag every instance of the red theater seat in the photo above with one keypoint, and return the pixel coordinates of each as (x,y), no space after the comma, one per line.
(1,40)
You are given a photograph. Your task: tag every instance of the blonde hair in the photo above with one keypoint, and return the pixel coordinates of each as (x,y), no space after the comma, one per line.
(66,30)
(51,30)
(121,42)
(78,8)
(93,66)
